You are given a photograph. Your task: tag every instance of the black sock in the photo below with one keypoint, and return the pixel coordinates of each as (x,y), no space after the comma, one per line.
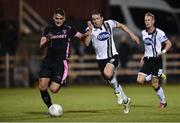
(46,98)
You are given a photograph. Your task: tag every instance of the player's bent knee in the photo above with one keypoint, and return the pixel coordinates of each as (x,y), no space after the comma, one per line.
(54,88)
(108,76)
(155,85)
(43,85)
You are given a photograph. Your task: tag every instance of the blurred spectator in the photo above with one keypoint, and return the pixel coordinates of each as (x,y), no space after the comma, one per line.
(8,36)
(177,43)
(124,51)
(8,42)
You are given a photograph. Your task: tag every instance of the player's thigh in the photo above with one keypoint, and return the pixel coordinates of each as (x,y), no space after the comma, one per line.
(111,65)
(109,70)
(60,72)
(44,75)
(141,78)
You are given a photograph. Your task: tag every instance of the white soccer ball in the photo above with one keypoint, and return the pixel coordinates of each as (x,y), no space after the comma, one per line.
(55,110)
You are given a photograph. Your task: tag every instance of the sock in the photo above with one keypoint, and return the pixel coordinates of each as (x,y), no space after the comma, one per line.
(46,98)
(124,97)
(148,77)
(160,93)
(118,88)
(114,84)
(160,72)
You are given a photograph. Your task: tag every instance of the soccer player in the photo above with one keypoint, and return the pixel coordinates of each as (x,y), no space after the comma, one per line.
(153,38)
(54,68)
(100,33)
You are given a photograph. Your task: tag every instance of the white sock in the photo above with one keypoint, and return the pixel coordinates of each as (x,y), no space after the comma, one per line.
(114,83)
(124,97)
(148,77)
(160,72)
(161,95)
(118,88)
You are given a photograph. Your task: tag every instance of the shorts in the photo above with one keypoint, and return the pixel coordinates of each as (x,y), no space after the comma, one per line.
(102,63)
(151,65)
(56,70)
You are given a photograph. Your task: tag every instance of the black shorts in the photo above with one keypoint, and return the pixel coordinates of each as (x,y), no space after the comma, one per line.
(151,65)
(56,70)
(102,63)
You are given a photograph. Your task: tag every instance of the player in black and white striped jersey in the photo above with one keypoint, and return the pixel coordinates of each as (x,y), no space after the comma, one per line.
(100,34)
(152,61)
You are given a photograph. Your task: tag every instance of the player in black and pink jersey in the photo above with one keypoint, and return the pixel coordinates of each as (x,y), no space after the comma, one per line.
(54,68)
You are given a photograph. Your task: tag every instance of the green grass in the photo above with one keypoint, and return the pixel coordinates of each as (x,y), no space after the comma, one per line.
(90,104)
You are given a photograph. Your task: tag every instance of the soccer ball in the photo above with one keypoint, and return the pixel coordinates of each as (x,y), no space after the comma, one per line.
(55,110)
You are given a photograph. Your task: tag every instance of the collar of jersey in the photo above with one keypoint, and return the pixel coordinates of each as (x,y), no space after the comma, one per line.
(150,33)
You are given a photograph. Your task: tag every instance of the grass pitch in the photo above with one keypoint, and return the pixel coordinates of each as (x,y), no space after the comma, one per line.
(90,104)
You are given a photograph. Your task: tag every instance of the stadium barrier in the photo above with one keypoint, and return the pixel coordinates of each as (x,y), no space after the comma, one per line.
(86,66)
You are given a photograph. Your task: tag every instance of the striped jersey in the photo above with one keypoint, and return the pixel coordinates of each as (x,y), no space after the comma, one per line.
(102,40)
(153,42)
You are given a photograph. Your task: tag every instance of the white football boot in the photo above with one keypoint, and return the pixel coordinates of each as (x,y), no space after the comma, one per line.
(127,106)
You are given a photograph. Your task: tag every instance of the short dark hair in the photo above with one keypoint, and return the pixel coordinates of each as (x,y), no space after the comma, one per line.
(96,12)
(59,11)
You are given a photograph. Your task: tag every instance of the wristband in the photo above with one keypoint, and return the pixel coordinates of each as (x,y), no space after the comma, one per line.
(164,51)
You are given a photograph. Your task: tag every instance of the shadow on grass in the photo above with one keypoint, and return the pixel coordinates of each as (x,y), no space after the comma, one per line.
(143,106)
(71,111)
(83,111)
(35,112)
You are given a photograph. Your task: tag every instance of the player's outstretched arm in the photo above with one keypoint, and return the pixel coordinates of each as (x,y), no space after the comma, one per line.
(126,29)
(86,38)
